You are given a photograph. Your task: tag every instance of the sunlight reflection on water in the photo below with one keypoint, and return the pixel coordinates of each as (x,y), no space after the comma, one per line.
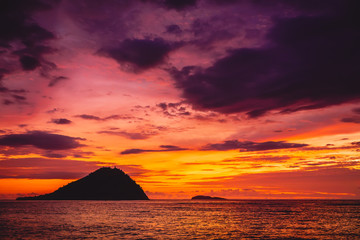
(176,219)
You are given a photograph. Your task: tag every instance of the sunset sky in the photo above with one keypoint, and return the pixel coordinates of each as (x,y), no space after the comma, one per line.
(229,98)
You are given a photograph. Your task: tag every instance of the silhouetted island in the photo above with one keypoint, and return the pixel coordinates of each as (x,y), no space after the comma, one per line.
(104,184)
(201,197)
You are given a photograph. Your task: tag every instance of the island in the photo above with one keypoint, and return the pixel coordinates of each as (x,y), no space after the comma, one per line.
(202,197)
(103,184)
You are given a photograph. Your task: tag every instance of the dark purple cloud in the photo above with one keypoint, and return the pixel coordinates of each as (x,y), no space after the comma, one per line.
(354,119)
(29,63)
(251,146)
(261,158)
(17,25)
(134,151)
(7,90)
(89,117)
(61,121)
(116,117)
(173,29)
(164,148)
(208,32)
(7,102)
(40,139)
(356,110)
(171,147)
(131,135)
(140,54)
(308,61)
(93,117)
(174,109)
(54,155)
(13,93)
(56,80)
(3,71)
(179,4)
(18,97)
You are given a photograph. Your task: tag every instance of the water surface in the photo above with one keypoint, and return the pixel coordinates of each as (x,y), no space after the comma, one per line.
(181,219)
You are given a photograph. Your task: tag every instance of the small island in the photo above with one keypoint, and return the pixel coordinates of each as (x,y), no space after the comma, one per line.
(104,184)
(202,197)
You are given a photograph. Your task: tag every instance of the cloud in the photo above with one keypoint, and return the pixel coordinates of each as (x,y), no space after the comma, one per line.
(179,4)
(40,139)
(213,30)
(135,151)
(54,155)
(56,80)
(172,147)
(164,148)
(258,158)
(7,102)
(116,117)
(131,135)
(25,30)
(251,146)
(356,110)
(3,71)
(139,54)
(174,109)
(29,63)
(173,29)
(292,71)
(354,119)
(54,110)
(89,117)
(93,117)
(7,90)
(18,97)
(61,121)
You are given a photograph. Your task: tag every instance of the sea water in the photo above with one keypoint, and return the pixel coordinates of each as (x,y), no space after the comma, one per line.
(181,219)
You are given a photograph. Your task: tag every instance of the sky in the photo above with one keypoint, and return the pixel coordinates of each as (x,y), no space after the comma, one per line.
(242,99)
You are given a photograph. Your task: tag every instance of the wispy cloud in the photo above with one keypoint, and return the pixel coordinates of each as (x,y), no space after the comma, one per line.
(131,135)
(97,118)
(61,121)
(163,148)
(251,146)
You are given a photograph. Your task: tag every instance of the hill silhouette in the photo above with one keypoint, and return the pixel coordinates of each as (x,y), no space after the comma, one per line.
(202,197)
(104,184)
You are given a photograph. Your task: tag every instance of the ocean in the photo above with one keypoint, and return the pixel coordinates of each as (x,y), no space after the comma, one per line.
(181,219)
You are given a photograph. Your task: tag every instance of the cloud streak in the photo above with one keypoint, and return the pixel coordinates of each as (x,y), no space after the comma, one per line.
(251,146)
(40,139)
(131,135)
(164,148)
(61,121)
(96,118)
